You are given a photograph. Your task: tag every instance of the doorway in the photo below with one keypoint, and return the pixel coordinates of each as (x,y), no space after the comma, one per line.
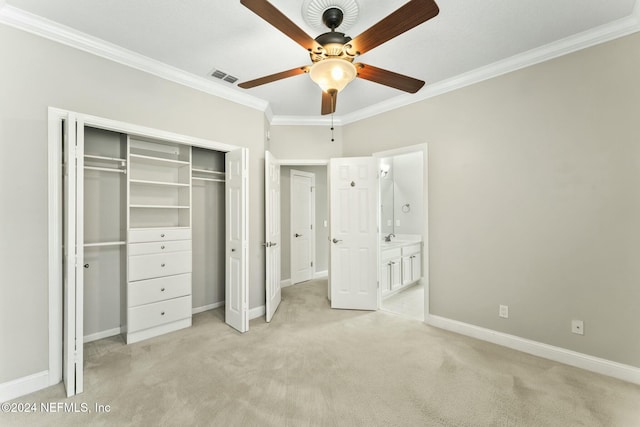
(156,201)
(295,179)
(302,225)
(404,273)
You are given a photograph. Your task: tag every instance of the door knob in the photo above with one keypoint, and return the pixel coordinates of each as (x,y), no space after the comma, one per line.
(298,235)
(336,240)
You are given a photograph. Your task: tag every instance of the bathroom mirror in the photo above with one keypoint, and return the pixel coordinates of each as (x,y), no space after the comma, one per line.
(401,204)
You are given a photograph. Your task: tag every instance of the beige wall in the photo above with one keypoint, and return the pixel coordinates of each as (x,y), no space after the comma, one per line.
(305,142)
(37,73)
(533,198)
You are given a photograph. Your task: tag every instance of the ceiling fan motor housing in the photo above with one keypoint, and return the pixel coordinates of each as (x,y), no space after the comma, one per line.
(335,44)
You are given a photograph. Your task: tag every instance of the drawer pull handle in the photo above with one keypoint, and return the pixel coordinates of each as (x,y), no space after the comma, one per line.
(162,290)
(162,247)
(163,264)
(162,235)
(162,314)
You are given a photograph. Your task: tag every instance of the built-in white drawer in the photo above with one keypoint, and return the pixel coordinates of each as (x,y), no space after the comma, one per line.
(159,247)
(390,253)
(158,313)
(158,234)
(154,290)
(158,265)
(411,249)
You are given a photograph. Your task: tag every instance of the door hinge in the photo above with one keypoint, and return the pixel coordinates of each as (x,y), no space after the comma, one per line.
(311,263)
(311,226)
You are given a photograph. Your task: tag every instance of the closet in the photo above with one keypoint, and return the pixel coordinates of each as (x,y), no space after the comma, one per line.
(154,234)
(147,228)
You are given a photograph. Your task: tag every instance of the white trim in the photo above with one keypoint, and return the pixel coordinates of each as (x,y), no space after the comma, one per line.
(574,43)
(208,307)
(102,334)
(303,162)
(558,354)
(24,385)
(321,274)
(285,283)
(51,30)
(256,312)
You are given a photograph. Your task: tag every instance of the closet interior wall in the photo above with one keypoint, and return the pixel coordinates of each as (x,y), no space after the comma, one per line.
(208,216)
(105,230)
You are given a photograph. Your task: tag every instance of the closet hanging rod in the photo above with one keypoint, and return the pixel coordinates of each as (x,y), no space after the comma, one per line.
(111,159)
(197,178)
(95,245)
(94,168)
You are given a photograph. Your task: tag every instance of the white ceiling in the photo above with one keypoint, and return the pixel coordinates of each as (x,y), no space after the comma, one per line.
(197,36)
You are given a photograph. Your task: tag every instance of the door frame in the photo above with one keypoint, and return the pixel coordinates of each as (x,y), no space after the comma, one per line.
(424,149)
(55,215)
(312,208)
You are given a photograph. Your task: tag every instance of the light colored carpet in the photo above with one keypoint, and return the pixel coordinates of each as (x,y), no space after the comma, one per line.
(317,366)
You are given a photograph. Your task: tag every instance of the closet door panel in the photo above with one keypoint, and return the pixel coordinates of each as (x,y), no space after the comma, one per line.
(154,290)
(159,313)
(158,265)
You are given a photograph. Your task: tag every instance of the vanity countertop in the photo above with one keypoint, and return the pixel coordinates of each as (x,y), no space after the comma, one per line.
(401,240)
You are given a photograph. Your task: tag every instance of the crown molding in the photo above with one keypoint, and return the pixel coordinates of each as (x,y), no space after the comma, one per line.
(51,30)
(305,121)
(586,39)
(20,19)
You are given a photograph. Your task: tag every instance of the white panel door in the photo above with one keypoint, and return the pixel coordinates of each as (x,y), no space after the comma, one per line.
(302,218)
(72,371)
(353,197)
(237,233)
(272,234)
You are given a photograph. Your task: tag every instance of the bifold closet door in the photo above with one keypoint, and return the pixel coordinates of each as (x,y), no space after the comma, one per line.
(73,238)
(237,234)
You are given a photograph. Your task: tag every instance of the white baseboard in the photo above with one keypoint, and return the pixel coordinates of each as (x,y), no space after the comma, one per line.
(284,283)
(208,307)
(25,385)
(317,275)
(102,334)
(579,360)
(257,312)
(321,274)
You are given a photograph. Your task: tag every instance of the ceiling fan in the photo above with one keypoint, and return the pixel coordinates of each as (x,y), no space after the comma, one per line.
(332,53)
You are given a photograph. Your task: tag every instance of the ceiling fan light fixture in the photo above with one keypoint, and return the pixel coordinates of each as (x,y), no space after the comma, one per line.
(333,74)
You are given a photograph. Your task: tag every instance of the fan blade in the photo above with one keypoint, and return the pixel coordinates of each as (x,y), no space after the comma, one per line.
(273,16)
(329,102)
(408,16)
(273,77)
(388,78)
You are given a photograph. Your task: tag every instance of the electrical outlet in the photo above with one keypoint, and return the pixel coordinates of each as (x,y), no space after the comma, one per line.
(504,311)
(577,327)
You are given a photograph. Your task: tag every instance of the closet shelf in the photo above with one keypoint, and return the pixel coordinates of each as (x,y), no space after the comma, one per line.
(168,184)
(197,178)
(160,206)
(103,244)
(207,171)
(140,158)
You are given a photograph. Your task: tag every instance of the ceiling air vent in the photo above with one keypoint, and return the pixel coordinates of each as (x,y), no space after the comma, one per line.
(223,76)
